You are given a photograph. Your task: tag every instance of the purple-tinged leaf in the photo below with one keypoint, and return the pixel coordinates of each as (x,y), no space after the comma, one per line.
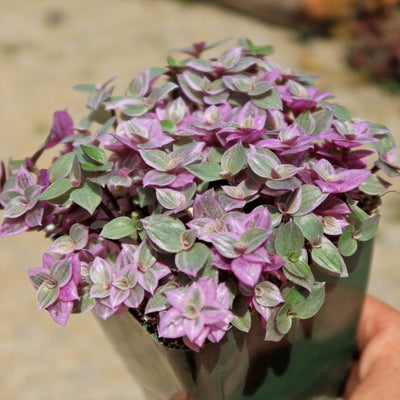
(61,272)
(234,159)
(79,234)
(156,159)
(214,99)
(136,296)
(188,238)
(206,206)
(230,58)
(158,178)
(225,244)
(188,153)
(191,94)
(8,195)
(247,272)
(34,216)
(60,311)
(62,127)
(101,271)
(262,161)
(46,295)
(267,294)
(200,65)
(62,245)
(23,179)
(13,226)
(160,93)
(254,238)
(194,80)
(170,198)
(176,111)
(16,207)
(243,64)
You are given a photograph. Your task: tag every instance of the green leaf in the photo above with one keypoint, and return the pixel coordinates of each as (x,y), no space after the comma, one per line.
(288,240)
(268,294)
(90,167)
(146,196)
(283,320)
(368,228)
(272,333)
(328,258)
(268,100)
(155,158)
(262,161)
(88,197)
(310,225)
(159,302)
(46,296)
(168,126)
(56,189)
(84,88)
(193,260)
(311,198)
(234,159)
(170,199)
(61,167)
(75,175)
(306,121)
(323,121)
(342,112)
(95,153)
(347,244)
(207,171)
(106,127)
(303,304)
(61,271)
(374,185)
(254,238)
(240,309)
(118,228)
(164,232)
(86,303)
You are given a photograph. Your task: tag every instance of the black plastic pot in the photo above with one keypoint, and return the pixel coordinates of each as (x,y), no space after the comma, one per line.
(312,362)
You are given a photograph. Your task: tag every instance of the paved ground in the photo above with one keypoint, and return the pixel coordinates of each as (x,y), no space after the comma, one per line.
(48,46)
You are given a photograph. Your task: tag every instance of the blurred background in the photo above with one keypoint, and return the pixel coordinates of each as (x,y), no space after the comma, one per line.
(47,46)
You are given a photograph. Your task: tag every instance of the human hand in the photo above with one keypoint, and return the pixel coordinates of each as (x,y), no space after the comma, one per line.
(376,373)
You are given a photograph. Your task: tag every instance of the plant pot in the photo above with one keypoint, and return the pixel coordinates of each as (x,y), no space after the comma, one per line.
(311,362)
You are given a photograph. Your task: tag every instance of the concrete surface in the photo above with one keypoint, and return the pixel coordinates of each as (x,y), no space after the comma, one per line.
(48,46)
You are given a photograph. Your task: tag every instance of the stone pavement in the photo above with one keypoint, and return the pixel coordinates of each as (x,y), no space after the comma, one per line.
(48,46)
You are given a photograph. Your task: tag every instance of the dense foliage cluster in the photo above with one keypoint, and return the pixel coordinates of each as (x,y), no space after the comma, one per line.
(207,193)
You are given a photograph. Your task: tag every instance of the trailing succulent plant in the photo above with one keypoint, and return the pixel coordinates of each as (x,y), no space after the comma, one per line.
(203,197)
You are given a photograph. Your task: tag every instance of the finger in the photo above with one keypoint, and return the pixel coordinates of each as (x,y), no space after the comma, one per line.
(376,375)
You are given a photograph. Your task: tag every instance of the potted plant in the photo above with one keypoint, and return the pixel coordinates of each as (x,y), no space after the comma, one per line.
(207,216)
